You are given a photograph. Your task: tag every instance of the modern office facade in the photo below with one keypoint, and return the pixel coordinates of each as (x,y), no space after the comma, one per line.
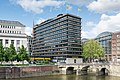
(105,39)
(12,32)
(116,47)
(84,40)
(58,38)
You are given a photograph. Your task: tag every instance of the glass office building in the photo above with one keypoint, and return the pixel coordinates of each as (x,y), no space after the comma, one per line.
(58,38)
(105,39)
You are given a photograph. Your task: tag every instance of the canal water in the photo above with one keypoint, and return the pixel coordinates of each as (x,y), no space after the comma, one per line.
(70,77)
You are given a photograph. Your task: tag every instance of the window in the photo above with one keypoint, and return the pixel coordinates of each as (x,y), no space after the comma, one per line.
(18,42)
(6,41)
(1,40)
(18,48)
(74,60)
(12,41)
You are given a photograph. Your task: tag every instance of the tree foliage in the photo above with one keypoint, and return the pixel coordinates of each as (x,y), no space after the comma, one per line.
(22,54)
(92,49)
(1,52)
(13,52)
(7,54)
(10,54)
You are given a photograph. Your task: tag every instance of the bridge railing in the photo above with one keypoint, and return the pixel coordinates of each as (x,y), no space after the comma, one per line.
(85,64)
(115,63)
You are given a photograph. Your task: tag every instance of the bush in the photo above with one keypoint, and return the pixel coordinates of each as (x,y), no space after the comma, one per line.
(44,63)
(22,64)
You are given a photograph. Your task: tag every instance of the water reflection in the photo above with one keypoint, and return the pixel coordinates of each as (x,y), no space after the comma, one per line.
(70,77)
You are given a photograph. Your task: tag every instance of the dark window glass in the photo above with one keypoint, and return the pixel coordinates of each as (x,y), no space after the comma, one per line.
(74,60)
(12,41)
(6,41)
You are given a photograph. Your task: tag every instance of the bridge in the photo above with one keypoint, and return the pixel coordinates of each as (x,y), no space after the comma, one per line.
(85,68)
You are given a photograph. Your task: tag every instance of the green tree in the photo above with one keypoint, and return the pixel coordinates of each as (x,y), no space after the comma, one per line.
(92,49)
(1,52)
(13,53)
(22,54)
(7,54)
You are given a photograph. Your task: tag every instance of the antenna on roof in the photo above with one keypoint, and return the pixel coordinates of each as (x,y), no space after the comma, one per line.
(33,23)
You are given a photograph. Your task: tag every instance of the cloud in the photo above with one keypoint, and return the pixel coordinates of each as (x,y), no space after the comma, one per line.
(85,34)
(39,21)
(79,2)
(105,6)
(99,6)
(86,30)
(106,23)
(37,6)
(28,30)
(90,24)
(69,7)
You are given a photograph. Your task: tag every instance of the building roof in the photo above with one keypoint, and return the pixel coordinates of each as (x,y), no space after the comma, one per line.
(104,34)
(58,16)
(11,23)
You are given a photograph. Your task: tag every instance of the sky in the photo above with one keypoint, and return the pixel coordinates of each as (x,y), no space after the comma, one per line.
(97,15)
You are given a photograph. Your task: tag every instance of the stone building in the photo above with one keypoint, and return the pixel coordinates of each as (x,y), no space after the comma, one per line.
(12,32)
(116,47)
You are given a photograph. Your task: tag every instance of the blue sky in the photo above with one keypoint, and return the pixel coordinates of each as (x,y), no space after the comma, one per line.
(97,15)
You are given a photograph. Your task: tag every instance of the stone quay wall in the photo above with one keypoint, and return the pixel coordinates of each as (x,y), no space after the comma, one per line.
(115,69)
(27,71)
